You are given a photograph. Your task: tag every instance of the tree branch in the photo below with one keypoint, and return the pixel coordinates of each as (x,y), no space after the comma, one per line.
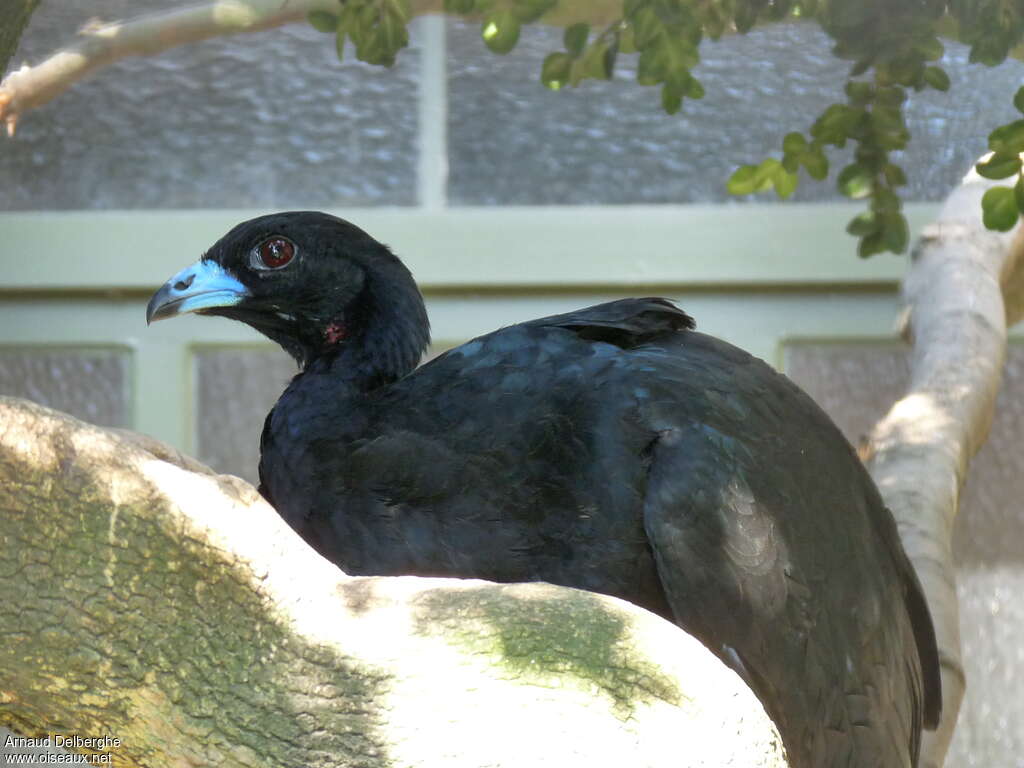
(961,291)
(100,45)
(149,600)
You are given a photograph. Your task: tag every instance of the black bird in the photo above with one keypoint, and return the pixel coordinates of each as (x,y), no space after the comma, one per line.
(611,449)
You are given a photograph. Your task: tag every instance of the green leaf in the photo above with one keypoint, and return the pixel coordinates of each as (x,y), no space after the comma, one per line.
(323,21)
(671,98)
(1018,99)
(999,209)
(627,40)
(895,233)
(743,180)
(766,174)
(575,38)
(989,50)
(906,70)
(648,67)
(894,175)
(746,16)
(889,127)
(748,179)
(555,71)
(785,183)
(460,7)
(694,89)
(377,29)
(816,164)
(715,23)
(1008,139)
(393,31)
(855,181)
(863,224)
(999,166)
(930,49)
(794,143)
(937,78)
(500,31)
(1018,193)
(646,27)
(871,244)
(597,62)
(891,96)
(884,200)
(834,124)
(528,11)
(859,92)
(861,66)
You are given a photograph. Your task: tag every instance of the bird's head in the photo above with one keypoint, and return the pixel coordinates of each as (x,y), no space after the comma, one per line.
(315,284)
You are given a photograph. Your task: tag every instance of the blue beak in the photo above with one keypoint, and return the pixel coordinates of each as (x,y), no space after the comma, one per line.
(203,285)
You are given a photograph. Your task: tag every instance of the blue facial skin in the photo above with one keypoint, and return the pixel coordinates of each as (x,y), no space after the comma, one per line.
(202,285)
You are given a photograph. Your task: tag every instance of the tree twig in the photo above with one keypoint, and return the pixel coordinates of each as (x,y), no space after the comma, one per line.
(100,45)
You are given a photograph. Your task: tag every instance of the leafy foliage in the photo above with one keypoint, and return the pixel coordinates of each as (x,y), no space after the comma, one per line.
(1001,206)
(377,28)
(892,46)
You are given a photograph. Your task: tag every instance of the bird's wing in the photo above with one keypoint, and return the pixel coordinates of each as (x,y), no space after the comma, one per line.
(721,563)
(625,323)
(762,521)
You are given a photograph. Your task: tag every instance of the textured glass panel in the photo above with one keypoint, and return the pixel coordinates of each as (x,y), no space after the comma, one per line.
(512,141)
(270,119)
(990,730)
(235,390)
(856,384)
(91,385)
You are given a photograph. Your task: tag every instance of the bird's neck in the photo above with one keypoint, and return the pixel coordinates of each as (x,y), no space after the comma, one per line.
(377,342)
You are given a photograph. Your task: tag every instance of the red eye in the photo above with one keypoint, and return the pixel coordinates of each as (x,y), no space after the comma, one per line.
(275,252)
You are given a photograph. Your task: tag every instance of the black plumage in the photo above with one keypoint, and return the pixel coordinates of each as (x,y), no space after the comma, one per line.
(612,449)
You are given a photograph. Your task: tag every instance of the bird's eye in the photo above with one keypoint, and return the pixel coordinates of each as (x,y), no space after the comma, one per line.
(273,253)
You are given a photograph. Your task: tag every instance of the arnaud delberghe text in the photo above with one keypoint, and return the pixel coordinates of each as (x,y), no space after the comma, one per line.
(65,742)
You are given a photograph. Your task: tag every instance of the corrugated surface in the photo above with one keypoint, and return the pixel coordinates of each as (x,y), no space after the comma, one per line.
(856,384)
(514,142)
(270,119)
(92,385)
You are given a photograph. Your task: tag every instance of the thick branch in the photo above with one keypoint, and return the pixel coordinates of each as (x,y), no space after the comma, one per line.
(150,600)
(956,321)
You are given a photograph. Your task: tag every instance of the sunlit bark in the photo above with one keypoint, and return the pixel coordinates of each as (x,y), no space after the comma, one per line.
(962,291)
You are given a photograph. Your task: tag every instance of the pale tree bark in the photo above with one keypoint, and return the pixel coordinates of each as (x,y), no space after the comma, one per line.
(962,291)
(149,600)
